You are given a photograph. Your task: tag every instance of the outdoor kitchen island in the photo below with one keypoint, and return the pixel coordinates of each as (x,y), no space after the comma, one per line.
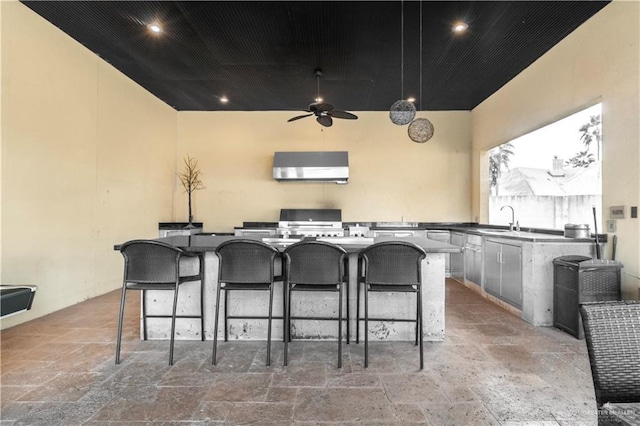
(251,303)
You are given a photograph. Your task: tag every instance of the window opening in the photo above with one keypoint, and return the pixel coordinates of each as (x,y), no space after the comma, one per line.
(551,176)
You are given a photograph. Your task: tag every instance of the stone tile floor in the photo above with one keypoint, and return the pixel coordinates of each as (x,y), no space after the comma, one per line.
(492,369)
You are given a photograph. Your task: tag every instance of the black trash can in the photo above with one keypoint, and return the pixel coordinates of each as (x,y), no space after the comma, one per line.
(579,279)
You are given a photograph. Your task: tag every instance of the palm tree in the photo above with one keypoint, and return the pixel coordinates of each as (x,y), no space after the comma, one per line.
(581,159)
(591,131)
(498,160)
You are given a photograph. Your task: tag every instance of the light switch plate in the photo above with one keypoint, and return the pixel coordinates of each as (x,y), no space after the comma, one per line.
(611,226)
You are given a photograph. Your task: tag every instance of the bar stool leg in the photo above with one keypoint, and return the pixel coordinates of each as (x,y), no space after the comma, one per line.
(366,326)
(120,320)
(215,326)
(358,312)
(417,311)
(173,324)
(201,263)
(348,318)
(269,325)
(286,323)
(340,325)
(421,326)
(144,314)
(226,314)
(284,309)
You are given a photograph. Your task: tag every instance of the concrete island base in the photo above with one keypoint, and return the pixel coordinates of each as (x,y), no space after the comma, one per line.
(303,304)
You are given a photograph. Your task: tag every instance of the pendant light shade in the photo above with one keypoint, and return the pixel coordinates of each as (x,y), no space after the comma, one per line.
(420,130)
(402,112)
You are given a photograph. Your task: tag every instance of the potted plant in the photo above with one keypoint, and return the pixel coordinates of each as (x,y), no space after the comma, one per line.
(190,179)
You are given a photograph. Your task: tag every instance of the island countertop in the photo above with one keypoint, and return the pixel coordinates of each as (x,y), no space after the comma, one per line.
(204,243)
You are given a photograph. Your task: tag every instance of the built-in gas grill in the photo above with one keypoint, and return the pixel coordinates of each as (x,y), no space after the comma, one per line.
(311,222)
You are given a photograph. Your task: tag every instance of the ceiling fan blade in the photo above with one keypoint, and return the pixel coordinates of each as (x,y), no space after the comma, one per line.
(343,114)
(298,117)
(325,120)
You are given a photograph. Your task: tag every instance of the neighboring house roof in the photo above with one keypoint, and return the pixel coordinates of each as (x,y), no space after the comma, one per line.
(527,181)
(587,181)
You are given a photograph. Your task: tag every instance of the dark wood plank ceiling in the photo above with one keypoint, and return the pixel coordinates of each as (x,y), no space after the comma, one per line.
(262,54)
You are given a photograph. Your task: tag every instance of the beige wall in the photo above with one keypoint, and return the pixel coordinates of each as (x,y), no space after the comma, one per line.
(391,177)
(596,63)
(88,161)
(1,115)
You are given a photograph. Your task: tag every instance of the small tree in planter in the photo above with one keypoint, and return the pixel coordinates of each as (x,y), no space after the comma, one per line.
(190,179)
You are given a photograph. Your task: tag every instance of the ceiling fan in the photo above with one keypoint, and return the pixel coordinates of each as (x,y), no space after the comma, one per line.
(324,112)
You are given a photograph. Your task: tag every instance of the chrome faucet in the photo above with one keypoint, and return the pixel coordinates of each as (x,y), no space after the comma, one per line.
(513,219)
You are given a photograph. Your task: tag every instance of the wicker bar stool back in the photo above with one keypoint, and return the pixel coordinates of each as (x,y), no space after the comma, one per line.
(315,266)
(155,265)
(245,265)
(612,333)
(390,267)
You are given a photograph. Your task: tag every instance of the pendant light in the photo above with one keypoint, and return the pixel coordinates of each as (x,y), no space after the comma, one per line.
(420,130)
(402,111)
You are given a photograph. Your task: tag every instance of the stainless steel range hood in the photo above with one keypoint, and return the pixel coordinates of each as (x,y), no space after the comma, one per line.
(311,166)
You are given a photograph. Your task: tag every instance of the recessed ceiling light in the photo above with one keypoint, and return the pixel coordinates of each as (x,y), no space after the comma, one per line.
(460,27)
(154,27)
(411,99)
(224,99)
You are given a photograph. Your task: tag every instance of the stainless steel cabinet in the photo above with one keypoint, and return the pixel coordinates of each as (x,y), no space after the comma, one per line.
(503,271)
(473,259)
(492,268)
(457,259)
(443,237)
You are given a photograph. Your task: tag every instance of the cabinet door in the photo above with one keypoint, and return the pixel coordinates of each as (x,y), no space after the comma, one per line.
(457,259)
(492,270)
(477,262)
(512,275)
(443,237)
(474,268)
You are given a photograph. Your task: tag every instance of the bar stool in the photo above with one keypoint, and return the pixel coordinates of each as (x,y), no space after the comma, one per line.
(245,265)
(390,267)
(315,266)
(155,265)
